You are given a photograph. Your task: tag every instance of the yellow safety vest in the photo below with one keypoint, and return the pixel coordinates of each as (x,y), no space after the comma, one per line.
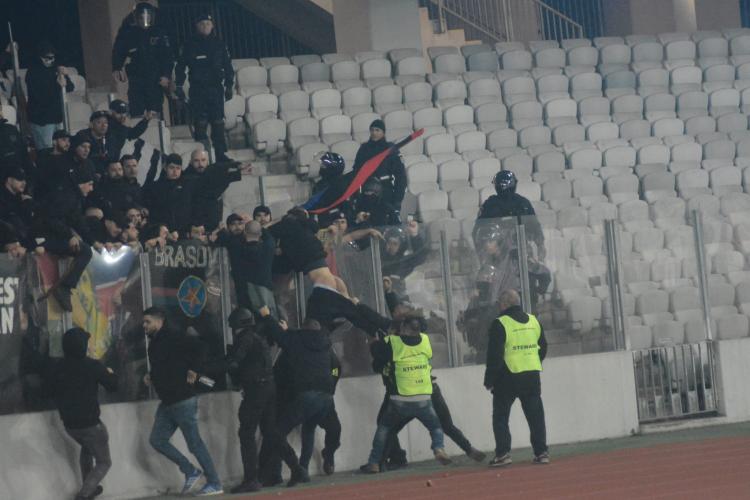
(522,344)
(411,366)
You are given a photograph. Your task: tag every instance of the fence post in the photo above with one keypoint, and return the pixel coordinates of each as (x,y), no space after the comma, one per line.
(377,271)
(66,114)
(147,302)
(700,256)
(226,299)
(299,285)
(262,189)
(441,16)
(161,140)
(621,340)
(453,358)
(523,265)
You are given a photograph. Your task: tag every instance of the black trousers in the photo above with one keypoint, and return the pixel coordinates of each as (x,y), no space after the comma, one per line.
(258,409)
(527,388)
(325,305)
(207,106)
(446,422)
(144,94)
(81,259)
(331,425)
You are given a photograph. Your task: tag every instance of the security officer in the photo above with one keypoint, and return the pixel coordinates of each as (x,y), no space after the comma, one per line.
(371,208)
(508,203)
(515,351)
(142,56)
(410,390)
(251,367)
(211,80)
(329,188)
(391,173)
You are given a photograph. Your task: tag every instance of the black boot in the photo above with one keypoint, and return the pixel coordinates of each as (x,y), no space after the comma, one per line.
(299,475)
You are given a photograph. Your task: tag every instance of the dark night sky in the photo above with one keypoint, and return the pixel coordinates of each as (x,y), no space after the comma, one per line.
(36,20)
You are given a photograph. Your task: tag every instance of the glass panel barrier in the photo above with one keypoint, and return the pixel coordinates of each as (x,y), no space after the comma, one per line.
(568,281)
(483,263)
(185,278)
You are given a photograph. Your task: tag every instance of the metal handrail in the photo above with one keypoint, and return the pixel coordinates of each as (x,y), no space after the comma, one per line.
(557,13)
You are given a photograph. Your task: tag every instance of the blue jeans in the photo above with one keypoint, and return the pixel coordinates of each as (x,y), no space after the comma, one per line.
(307,407)
(182,415)
(42,134)
(398,411)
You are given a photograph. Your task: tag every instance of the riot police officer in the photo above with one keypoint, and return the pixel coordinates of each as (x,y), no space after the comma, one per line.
(371,209)
(142,56)
(211,80)
(251,366)
(329,188)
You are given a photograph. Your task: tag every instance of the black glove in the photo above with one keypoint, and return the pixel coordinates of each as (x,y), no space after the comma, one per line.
(228,93)
(179,94)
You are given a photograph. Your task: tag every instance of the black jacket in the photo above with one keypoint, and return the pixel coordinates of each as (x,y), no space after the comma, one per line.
(298,241)
(74,381)
(13,148)
(107,149)
(308,355)
(249,361)
(62,213)
(512,205)
(497,374)
(119,194)
(170,202)
(45,96)
(209,188)
(149,50)
(207,58)
(171,355)
(250,261)
(391,172)
(19,213)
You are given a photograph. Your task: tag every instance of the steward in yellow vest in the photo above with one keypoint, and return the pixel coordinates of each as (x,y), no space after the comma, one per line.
(516,348)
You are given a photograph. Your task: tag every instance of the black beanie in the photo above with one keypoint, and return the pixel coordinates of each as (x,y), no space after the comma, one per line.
(378,124)
(79,139)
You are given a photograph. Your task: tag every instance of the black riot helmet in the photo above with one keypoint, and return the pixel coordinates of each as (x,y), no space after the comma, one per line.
(144,15)
(331,165)
(241,318)
(505,182)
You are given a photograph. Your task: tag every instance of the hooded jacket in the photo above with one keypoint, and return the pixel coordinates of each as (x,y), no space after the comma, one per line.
(308,357)
(171,355)
(391,172)
(75,381)
(298,241)
(45,98)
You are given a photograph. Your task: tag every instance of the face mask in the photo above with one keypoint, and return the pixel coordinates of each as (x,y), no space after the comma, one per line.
(48,61)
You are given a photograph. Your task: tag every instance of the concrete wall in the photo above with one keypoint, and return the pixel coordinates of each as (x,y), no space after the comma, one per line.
(376,25)
(733,373)
(586,397)
(717,14)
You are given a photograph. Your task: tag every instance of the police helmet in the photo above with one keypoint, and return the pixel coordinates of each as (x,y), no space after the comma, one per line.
(505,182)
(331,165)
(144,14)
(487,232)
(395,233)
(241,318)
(487,274)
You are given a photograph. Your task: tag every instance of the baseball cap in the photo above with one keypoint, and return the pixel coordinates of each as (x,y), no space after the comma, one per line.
(98,114)
(119,106)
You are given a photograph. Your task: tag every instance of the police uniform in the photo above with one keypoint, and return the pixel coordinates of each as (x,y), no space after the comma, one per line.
(211,80)
(150,58)
(410,388)
(516,349)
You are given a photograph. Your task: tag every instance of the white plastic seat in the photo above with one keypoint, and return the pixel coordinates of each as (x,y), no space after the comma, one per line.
(471,145)
(667,127)
(733,326)
(377,72)
(483,61)
(387,98)
(484,90)
(653,81)
(620,156)
(430,119)
(526,114)
(458,119)
(568,133)
(713,50)
(356,100)
(626,108)
(685,79)
(718,153)
(621,188)
(594,110)
(325,102)
(491,116)
(305,130)
(293,105)
(725,180)
(502,47)
(463,201)
(367,55)
(315,76)
(582,56)
(441,148)
(534,136)
(252,80)
(450,93)
(516,60)
(335,128)
(614,57)
(283,78)
(619,83)
(482,171)
(518,89)
(658,185)
(723,101)
(345,74)
(271,62)
(589,159)
(519,164)
(647,55)
(448,64)
(739,48)
(550,87)
(679,53)
(432,205)
(560,111)
(502,138)
(333,58)
(658,106)
(410,70)
(417,95)
(692,104)
(261,107)
(269,135)
(585,85)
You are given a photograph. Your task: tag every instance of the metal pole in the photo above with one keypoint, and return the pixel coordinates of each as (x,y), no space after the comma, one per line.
(66,114)
(377,271)
(523,266)
(621,341)
(110,98)
(226,299)
(262,189)
(700,256)
(441,16)
(161,139)
(299,285)
(147,302)
(453,358)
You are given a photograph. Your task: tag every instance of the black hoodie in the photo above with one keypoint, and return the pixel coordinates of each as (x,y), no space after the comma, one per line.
(75,381)
(308,355)
(172,354)
(391,172)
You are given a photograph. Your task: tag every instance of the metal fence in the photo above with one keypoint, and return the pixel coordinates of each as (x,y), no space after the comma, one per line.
(675,381)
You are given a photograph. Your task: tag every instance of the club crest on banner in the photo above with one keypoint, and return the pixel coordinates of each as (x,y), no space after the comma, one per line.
(191,296)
